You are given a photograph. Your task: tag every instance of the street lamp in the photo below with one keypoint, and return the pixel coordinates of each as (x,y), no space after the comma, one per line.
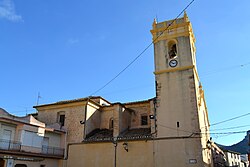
(125,146)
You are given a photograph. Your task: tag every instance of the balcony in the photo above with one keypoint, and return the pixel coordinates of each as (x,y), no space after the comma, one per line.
(10,145)
(52,151)
(18,148)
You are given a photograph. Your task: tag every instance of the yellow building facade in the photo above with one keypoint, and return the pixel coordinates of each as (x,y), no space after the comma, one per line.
(171,129)
(180,105)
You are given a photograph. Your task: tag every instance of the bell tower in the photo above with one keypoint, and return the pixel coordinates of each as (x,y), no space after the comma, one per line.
(181,114)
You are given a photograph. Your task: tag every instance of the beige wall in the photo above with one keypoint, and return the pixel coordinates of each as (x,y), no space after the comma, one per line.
(178,152)
(54,139)
(173,153)
(140,154)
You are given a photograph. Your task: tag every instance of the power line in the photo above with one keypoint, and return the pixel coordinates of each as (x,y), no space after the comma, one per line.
(201,76)
(225,133)
(21,111)
(224,69)
(212,133)
(174,128)
(138,56)
(235,127)
(230,119)
(142,86)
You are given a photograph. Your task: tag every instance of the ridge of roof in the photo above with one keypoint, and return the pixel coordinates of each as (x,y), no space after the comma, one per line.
(73,101)
(141,101)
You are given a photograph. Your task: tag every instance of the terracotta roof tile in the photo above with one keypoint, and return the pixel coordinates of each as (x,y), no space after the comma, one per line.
(107,135)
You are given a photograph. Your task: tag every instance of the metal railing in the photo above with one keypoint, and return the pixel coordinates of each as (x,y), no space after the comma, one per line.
(17,146)
(10,145)
(52,151)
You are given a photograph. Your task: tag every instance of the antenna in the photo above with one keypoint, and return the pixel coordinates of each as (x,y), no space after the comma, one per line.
(38,97)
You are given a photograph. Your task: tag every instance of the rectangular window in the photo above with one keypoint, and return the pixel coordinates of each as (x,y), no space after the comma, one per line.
(61,119)
(32,139)
(144,120)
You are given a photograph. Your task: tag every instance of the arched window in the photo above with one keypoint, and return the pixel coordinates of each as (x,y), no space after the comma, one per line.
(172,49)
(111,123)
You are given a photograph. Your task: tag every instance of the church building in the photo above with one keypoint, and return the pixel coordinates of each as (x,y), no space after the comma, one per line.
(171,129)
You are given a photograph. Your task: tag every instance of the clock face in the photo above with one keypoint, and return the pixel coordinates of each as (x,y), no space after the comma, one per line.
(173,63)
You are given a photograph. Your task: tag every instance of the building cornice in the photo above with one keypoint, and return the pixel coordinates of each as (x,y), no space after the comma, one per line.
(174,69)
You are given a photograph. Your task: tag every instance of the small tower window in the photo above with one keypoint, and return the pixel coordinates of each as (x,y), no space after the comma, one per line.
(172,49)
(111,123)
(144,120)
(178,124)
(61,118)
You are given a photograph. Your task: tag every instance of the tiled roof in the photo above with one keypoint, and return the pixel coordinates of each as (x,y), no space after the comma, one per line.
(93,100)
(107,135)
(100,135)
(135,102)
(132,133)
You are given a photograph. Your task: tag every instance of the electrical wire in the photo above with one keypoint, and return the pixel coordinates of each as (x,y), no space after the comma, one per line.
(224,133)
(129,89)
(236,127)
(174,128)
(204,75)
(227,120)
(224,69)
(143,51)
(214,133)
(21,111)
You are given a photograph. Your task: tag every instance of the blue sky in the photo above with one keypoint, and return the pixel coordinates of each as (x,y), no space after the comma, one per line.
(69,49)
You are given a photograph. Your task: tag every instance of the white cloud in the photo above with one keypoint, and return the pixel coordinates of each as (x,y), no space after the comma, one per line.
(7,11)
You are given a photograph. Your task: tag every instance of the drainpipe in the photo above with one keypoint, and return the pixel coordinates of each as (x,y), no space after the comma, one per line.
(115,145)
(65,150)
(155,114)
(85,117)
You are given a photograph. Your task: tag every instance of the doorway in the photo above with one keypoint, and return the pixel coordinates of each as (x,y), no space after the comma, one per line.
(2,162)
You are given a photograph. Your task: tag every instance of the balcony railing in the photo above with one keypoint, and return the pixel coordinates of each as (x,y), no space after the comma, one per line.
(10,145)
(52,150)
(17,146)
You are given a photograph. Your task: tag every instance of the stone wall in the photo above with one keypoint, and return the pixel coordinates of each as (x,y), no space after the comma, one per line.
(73,116)
(107,114)
(139,109)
